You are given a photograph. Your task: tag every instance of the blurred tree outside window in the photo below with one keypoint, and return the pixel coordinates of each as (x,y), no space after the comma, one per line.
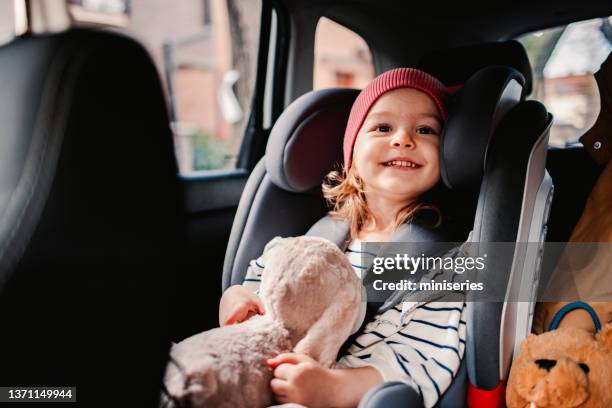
(563,60)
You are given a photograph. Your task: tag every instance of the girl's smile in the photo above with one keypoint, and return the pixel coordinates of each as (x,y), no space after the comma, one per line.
(402,163)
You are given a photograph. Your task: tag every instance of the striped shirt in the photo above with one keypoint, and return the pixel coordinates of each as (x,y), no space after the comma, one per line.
(420,344)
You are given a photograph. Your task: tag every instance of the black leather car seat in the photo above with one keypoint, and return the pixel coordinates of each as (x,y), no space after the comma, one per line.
(89,207)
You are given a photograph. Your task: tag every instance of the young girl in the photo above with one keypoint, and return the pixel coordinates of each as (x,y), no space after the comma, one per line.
(391,159)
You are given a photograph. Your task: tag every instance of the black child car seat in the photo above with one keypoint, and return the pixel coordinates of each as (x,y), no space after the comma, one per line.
(487,117)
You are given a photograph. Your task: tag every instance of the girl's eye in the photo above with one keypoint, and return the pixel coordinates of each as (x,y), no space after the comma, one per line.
(425,130)
(383,128)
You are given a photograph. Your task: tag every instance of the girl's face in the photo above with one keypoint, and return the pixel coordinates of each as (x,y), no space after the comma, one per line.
(396,151)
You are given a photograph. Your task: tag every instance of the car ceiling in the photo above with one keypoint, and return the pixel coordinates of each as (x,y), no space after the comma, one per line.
(458,24)
(398,33)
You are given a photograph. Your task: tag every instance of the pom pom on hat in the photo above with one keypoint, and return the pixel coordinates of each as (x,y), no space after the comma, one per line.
(385,82)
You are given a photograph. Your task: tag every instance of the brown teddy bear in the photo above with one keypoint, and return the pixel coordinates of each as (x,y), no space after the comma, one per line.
(313,301)
(563,368)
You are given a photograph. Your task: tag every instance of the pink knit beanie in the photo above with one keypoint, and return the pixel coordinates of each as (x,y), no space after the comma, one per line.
(385,82)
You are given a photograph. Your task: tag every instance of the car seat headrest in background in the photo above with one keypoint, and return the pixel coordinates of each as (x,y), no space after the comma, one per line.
(306,140)
(474,113)
(91,227)
(455,66)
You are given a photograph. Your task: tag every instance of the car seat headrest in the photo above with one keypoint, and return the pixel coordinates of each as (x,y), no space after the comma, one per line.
(473,115)
(455,66)
(306,141)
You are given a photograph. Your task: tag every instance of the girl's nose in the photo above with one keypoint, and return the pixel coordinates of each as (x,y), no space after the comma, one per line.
(403,139)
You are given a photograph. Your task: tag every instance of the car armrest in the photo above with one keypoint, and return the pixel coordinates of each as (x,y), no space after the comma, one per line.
(391,395)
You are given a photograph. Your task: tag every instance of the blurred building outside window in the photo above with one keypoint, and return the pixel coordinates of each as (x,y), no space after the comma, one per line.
(563,61)
(342,58)
(104,12)
(205,52)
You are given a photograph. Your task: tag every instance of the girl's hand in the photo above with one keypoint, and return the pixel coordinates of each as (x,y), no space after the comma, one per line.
(238,304)
(301,379)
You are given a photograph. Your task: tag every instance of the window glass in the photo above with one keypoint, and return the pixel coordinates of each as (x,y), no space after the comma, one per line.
(563,60)
(342,57)
(205,52)
(7,21)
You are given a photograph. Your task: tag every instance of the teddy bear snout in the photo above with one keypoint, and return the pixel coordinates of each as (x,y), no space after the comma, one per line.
(559,383)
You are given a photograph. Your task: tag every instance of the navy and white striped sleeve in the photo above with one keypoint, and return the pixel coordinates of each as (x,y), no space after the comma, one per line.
(424,353)
(252,279)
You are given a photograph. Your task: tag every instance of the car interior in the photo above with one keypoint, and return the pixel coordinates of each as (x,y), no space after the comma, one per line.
(108,254)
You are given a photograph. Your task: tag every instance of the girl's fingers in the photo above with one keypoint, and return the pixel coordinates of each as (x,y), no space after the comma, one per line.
(256,307)
(242,312)
(237,315)
(260,306)
(288,358)
(283,371)
(231,320)
(279,387)
(255,303)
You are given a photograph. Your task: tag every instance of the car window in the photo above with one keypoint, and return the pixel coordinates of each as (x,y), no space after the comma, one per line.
(342,57)
(205,51)
(9,12)
(563,60)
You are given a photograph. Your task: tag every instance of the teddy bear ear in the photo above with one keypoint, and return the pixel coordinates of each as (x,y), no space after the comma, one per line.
(529,340)
(527,343)
(605,336)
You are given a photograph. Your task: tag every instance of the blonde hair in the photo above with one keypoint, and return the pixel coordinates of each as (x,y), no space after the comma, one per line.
(345,193)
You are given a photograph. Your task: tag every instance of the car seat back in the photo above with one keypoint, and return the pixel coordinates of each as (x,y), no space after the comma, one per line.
(89,205)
